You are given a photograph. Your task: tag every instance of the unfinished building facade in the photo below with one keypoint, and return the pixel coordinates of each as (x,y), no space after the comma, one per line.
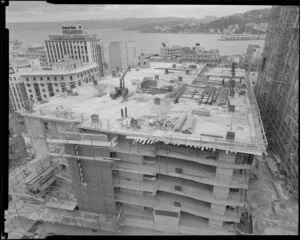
(175,159)
(277,90)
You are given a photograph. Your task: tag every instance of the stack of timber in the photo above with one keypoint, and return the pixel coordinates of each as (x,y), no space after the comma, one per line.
(189,125)
(179,123)
(177,91)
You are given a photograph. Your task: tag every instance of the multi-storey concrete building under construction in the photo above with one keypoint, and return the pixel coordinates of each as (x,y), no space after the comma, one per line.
(277,90)
(173,155)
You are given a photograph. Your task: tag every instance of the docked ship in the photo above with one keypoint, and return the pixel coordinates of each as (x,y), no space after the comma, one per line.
(241,37)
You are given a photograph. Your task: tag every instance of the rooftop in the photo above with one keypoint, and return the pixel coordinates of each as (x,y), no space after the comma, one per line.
(59,71)
(204,104)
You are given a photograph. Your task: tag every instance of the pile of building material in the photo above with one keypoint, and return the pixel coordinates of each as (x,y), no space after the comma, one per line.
(161,123)
(177,92)
(179,123)
(189,125)
(201,113)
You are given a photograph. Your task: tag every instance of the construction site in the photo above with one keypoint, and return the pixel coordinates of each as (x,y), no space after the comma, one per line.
(166,149)
(155,148)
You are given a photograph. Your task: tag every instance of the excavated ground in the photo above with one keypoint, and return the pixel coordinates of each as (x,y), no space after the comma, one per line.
(261,198)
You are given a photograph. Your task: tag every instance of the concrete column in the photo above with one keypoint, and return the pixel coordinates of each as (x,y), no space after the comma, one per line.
(215,224)
(218,209)
(221,192)
(229,158)
(224,175)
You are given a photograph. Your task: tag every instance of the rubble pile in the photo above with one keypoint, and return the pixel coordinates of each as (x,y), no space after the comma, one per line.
(161,123)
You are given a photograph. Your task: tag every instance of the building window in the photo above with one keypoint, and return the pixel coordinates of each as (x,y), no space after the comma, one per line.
(263,63)
(41,78)
(43,90)
(34,78)
(178,188)
(71,78)
(28,85)
(45,96)
(57,90)
(55,78)
(42,84)
(30,90)
(48,78)
(177,204)
(178,170)
(46,126)
(55,84)
(27,79)
(62,78)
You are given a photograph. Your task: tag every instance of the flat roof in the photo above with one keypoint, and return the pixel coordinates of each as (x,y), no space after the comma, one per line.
(59,71)
(213,121)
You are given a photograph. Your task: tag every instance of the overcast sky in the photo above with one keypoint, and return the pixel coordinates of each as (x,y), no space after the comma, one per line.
(30,11)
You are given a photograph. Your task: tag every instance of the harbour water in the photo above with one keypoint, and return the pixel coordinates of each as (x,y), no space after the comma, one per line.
(151,42)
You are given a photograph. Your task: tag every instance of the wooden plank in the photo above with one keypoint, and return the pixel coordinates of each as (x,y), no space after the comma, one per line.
(179,123)
(210,135)
(189,125)
(271,165)
(203,94)
(210,91)
(194,93)
(216,96)
(212,95)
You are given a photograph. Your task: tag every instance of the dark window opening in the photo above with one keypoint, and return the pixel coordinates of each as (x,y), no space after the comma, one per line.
(46,126)
(166,213)
(263,63)
(177,204)
(178,188)
(178,170)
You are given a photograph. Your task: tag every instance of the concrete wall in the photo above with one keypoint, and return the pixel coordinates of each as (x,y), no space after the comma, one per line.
(166,221)
(36,134)
(131,158)
(97,195)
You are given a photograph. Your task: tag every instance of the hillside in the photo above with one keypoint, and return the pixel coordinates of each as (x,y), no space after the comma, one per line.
(254,21)
(92,24)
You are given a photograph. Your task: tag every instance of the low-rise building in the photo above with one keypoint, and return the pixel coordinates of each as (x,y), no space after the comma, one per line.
(62,76)
(18,97)
(174,51)
(38,52)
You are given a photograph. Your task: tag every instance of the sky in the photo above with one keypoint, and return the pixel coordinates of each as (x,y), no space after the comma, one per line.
(40,11)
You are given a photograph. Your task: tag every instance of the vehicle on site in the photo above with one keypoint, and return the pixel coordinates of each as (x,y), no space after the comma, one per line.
(121,90)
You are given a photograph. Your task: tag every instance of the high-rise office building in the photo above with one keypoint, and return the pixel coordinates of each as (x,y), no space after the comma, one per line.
(77,44)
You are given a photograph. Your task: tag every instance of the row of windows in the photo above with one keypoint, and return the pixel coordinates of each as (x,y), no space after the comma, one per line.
(12,78)
(62,48)
(51,91)
(62,78)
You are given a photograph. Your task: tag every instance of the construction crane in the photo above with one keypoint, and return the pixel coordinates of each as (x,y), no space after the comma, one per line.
(121,90)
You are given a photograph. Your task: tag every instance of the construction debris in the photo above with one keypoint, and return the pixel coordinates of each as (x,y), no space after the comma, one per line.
(189,125)
(162,123)
(179,123)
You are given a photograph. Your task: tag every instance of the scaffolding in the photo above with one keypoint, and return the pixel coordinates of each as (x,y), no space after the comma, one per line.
(276,91)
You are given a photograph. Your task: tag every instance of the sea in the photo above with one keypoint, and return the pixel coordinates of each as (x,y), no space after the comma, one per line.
(151,42)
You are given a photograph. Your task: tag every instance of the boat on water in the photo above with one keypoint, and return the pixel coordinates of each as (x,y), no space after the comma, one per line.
(240,37)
